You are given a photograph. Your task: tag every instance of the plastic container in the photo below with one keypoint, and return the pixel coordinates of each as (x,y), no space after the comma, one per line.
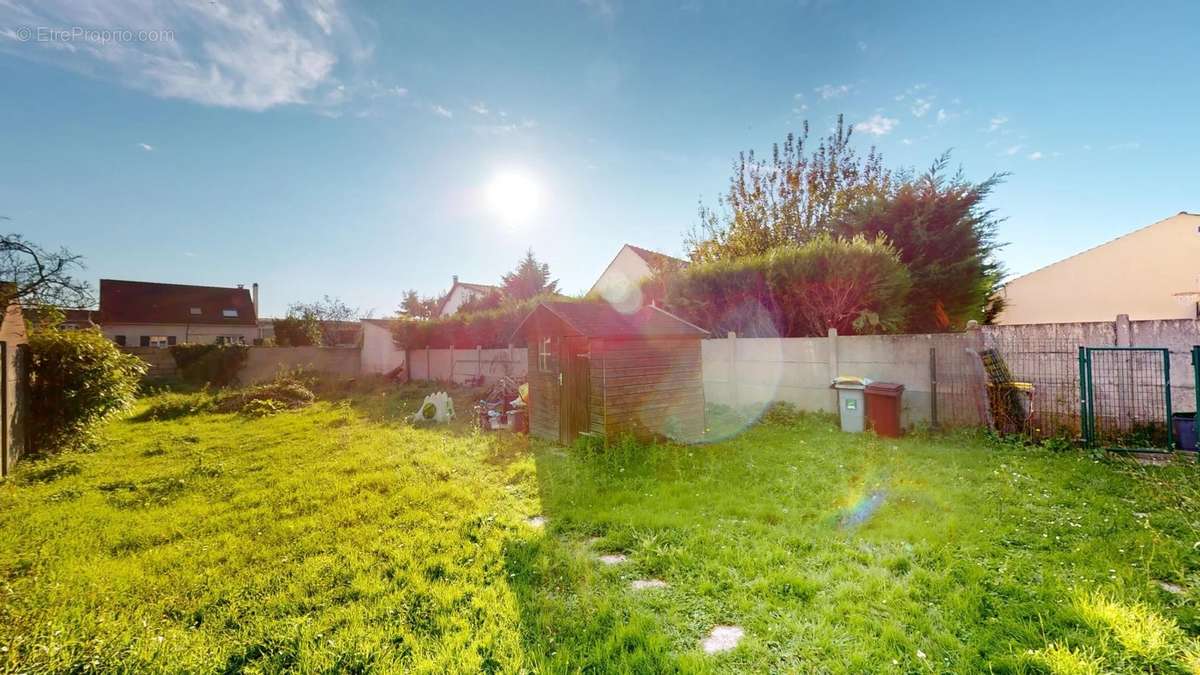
(883,408)
(851,406)
(1185,430)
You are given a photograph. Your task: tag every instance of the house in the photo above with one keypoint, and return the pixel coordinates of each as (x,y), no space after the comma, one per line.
(380,354)
(620,283)
(460,292)
(1150,273)
(148,314)
(596,370)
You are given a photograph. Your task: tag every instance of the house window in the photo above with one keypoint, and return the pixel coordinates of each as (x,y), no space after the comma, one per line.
(161,341)
(119,339)
(229,313)
(230,340)
(195,311)
(546,355)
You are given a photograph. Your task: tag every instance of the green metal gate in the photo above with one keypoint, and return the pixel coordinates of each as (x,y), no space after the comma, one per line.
(1125,398)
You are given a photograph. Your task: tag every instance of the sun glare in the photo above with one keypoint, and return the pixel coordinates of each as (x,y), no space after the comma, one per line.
(513,196)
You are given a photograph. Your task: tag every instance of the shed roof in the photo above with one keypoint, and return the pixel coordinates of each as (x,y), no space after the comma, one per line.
(599,319)
(149,302)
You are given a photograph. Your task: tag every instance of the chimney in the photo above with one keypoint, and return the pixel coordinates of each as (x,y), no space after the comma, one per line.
(455,278)
(254,297)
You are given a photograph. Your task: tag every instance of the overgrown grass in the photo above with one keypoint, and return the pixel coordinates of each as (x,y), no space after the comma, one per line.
(337,538)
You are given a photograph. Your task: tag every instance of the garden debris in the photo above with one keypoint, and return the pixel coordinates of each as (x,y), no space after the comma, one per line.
(613,558)
(643,584)
(437,408)
(536,521)
(722,639)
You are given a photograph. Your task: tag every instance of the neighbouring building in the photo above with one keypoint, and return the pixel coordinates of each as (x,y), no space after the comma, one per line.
(149,314)
(620,283)
(1150,273)
(380,353)
(596,370)
(340,333)
(460,292)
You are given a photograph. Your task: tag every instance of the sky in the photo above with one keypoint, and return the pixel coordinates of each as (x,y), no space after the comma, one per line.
(321,147)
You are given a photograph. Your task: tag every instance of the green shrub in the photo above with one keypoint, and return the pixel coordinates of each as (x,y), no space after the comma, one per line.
(217,365)
(266,399)
(170,406)
(77,380)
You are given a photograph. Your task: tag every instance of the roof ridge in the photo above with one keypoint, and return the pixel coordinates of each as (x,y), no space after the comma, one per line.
(1100,245)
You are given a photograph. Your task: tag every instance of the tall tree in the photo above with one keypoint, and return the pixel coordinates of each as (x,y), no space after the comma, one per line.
(787,199)
(530,279)
(946,238)
(315,322)
(32,275)
(414,306)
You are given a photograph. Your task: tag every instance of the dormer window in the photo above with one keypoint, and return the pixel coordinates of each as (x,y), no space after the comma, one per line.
(195,311)
(229,313)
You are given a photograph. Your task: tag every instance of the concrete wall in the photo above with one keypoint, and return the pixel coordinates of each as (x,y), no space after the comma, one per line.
(460,365)
(263,363)
(183,333)
(161,363)
(750,373)
(379,352)
(1150,273)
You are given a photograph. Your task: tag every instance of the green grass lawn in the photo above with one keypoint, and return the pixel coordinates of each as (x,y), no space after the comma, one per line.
(336,539)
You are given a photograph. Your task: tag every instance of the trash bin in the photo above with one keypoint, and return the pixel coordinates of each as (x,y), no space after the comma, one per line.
(850,401)
(883,407)
(1185,430)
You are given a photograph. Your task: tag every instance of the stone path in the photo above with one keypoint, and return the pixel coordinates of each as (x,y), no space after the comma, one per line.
(722,639)
(536,521)
(613,558)
(643,584)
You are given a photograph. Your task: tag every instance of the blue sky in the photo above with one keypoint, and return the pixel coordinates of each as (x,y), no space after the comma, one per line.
(346,149)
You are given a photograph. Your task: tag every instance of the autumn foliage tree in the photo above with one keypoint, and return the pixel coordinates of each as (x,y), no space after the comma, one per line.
(790,198)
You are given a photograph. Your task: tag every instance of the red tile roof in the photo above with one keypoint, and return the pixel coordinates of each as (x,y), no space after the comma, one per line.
(599,319)
(149,302)
(657,261)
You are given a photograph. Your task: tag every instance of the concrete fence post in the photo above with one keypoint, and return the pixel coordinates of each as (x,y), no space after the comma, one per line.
(479,362)
(512,365)
(451,364)
(428,365)
(834,367)
(1122,332)
(733,381)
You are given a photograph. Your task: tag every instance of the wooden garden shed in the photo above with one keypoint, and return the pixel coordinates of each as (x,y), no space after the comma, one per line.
(593,369)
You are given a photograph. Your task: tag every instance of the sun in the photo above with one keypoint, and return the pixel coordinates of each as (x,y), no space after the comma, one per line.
(514,196)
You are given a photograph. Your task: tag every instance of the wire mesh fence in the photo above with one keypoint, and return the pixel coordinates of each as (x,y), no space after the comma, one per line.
(1042,399)
(1127,397)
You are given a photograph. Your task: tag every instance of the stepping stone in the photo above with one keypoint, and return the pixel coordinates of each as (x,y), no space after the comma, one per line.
(613,558)
(1170,587)
(722,639)
(643,584)
(536,521)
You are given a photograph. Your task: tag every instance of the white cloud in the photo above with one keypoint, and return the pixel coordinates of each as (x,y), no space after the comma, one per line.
(828,91)
(1013,149)
(146,146)
(441,112)
(503,129)
(877,125)
(906,141)
(480,108)
(862,46)
(944,115)
(920,106)
(604,10)
(997,122)
(1036,155)
(1131,145)
(235,54)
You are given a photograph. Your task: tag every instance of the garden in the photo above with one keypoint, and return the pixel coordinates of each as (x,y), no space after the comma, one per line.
(213,532)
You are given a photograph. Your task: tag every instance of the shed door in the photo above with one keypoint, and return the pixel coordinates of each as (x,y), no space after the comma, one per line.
(575,390)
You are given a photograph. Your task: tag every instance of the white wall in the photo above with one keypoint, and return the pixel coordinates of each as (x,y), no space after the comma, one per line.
(620,284)
(458,295)
(184,333)
(1139,274)
(379,352)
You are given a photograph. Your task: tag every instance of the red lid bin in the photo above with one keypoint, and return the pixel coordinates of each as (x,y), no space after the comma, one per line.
(883,408)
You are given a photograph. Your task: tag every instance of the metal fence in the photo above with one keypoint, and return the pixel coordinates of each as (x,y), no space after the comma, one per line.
(1049,405)
(1126,397)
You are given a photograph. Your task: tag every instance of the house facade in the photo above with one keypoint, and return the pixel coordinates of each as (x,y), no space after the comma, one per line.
(1150,273)
(460,292)
(620,283)
(148,314)
(380,354)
